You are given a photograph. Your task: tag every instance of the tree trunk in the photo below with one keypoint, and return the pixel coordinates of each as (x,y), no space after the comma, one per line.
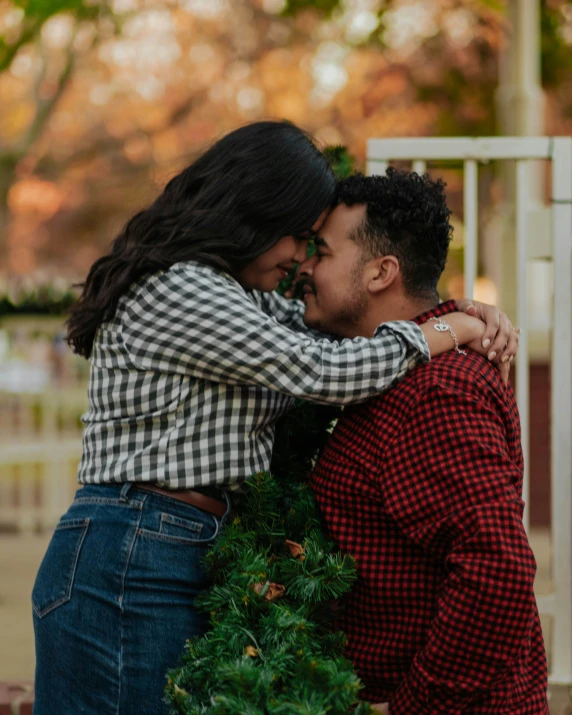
(7,171)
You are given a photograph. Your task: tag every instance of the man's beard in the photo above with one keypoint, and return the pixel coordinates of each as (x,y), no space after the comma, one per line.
(345,319)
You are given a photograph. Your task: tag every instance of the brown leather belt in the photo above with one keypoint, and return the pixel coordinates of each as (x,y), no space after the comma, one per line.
(190,496)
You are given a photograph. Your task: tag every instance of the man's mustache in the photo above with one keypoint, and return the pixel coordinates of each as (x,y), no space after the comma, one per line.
(306,285)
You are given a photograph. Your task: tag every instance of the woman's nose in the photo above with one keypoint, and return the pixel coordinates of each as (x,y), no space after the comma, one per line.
(301,252)
(307,267)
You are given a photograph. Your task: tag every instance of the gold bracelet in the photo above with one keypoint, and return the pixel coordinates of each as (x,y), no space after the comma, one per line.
(442,327)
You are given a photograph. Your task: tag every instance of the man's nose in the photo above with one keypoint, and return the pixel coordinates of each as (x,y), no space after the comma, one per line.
(307,267)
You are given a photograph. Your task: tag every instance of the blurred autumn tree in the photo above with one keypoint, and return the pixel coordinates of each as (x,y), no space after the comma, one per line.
(21,27)
(102,101)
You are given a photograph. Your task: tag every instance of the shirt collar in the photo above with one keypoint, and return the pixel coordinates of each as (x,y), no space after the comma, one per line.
(449,306)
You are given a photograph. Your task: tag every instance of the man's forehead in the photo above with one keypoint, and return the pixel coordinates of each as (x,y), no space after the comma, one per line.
(342,222)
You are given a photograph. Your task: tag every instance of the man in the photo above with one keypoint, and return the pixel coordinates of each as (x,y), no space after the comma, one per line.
(422,485)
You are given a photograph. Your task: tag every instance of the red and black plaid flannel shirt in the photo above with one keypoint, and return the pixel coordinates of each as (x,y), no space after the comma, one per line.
(422,485)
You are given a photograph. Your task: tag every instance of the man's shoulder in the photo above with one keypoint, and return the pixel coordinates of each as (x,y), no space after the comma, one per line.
(470,376)
(375,425)
(452,370)
(381,420)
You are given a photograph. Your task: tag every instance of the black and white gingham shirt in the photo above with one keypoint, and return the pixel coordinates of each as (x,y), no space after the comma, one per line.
(188,379)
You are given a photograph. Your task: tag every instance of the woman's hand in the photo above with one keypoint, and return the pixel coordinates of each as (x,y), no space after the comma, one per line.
(470,331)
(499,338)
(381,708)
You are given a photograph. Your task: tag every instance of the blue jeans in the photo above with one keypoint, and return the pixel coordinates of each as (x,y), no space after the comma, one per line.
(114,600)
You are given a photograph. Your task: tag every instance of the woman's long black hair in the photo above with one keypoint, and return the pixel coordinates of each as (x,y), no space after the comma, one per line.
(255,185)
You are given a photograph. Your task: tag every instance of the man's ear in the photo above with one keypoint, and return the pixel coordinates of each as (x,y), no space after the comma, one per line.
(382,273)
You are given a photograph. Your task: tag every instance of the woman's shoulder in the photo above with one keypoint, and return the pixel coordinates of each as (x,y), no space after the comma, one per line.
(184,278)
(209,277)
(181,285)
(195,270)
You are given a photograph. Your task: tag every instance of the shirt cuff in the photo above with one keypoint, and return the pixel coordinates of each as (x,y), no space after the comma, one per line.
(413,336)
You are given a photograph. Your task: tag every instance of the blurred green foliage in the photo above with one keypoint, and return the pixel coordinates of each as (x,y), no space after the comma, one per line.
(35,13)
(341,161)
(41,300)
(325,6)
(43,9)
(555,53)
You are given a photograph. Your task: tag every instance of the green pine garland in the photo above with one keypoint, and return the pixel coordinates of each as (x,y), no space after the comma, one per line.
(266,655)
(271,649)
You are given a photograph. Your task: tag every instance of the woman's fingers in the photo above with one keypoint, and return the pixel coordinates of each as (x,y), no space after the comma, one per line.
(500,340)
(468,306)
(489,314)
(511,347)
(492,318)
(504,370)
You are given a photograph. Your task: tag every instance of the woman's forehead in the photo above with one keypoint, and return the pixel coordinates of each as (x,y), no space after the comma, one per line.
(320,220)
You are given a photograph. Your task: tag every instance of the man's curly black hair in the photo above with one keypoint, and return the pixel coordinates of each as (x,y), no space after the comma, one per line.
(407,217)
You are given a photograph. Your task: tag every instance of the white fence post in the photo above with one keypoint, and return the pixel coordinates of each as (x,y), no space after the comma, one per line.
(559,603)
(36,460)
(522,359)
(471,220)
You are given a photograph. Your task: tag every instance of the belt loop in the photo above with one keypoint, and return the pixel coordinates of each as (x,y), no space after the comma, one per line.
(123,498)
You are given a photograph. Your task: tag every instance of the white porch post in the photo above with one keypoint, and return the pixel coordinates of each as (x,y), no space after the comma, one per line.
(520,99)
(520,110)
(559,603)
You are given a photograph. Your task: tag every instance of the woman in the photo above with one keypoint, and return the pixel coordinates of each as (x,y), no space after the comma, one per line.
(192,362)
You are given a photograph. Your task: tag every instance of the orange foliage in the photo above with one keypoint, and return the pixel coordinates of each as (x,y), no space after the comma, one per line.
(35,196)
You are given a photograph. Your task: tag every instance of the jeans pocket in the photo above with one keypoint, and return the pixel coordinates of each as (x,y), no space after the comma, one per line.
(175,526)
(54,582)
(176,529)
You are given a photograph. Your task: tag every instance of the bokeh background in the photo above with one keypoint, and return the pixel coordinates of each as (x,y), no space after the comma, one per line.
(102,102)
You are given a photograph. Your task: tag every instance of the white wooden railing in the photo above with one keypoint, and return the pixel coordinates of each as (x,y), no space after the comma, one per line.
(556,244)
(40,446)
(42,396)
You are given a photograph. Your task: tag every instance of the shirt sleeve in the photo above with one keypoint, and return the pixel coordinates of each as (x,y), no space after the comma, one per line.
(203,324)
(453,488)
(289,313)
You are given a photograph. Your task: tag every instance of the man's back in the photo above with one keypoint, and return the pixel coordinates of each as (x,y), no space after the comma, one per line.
(423,486)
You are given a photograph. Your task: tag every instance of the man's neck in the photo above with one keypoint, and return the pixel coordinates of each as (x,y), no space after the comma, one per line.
(400,308)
